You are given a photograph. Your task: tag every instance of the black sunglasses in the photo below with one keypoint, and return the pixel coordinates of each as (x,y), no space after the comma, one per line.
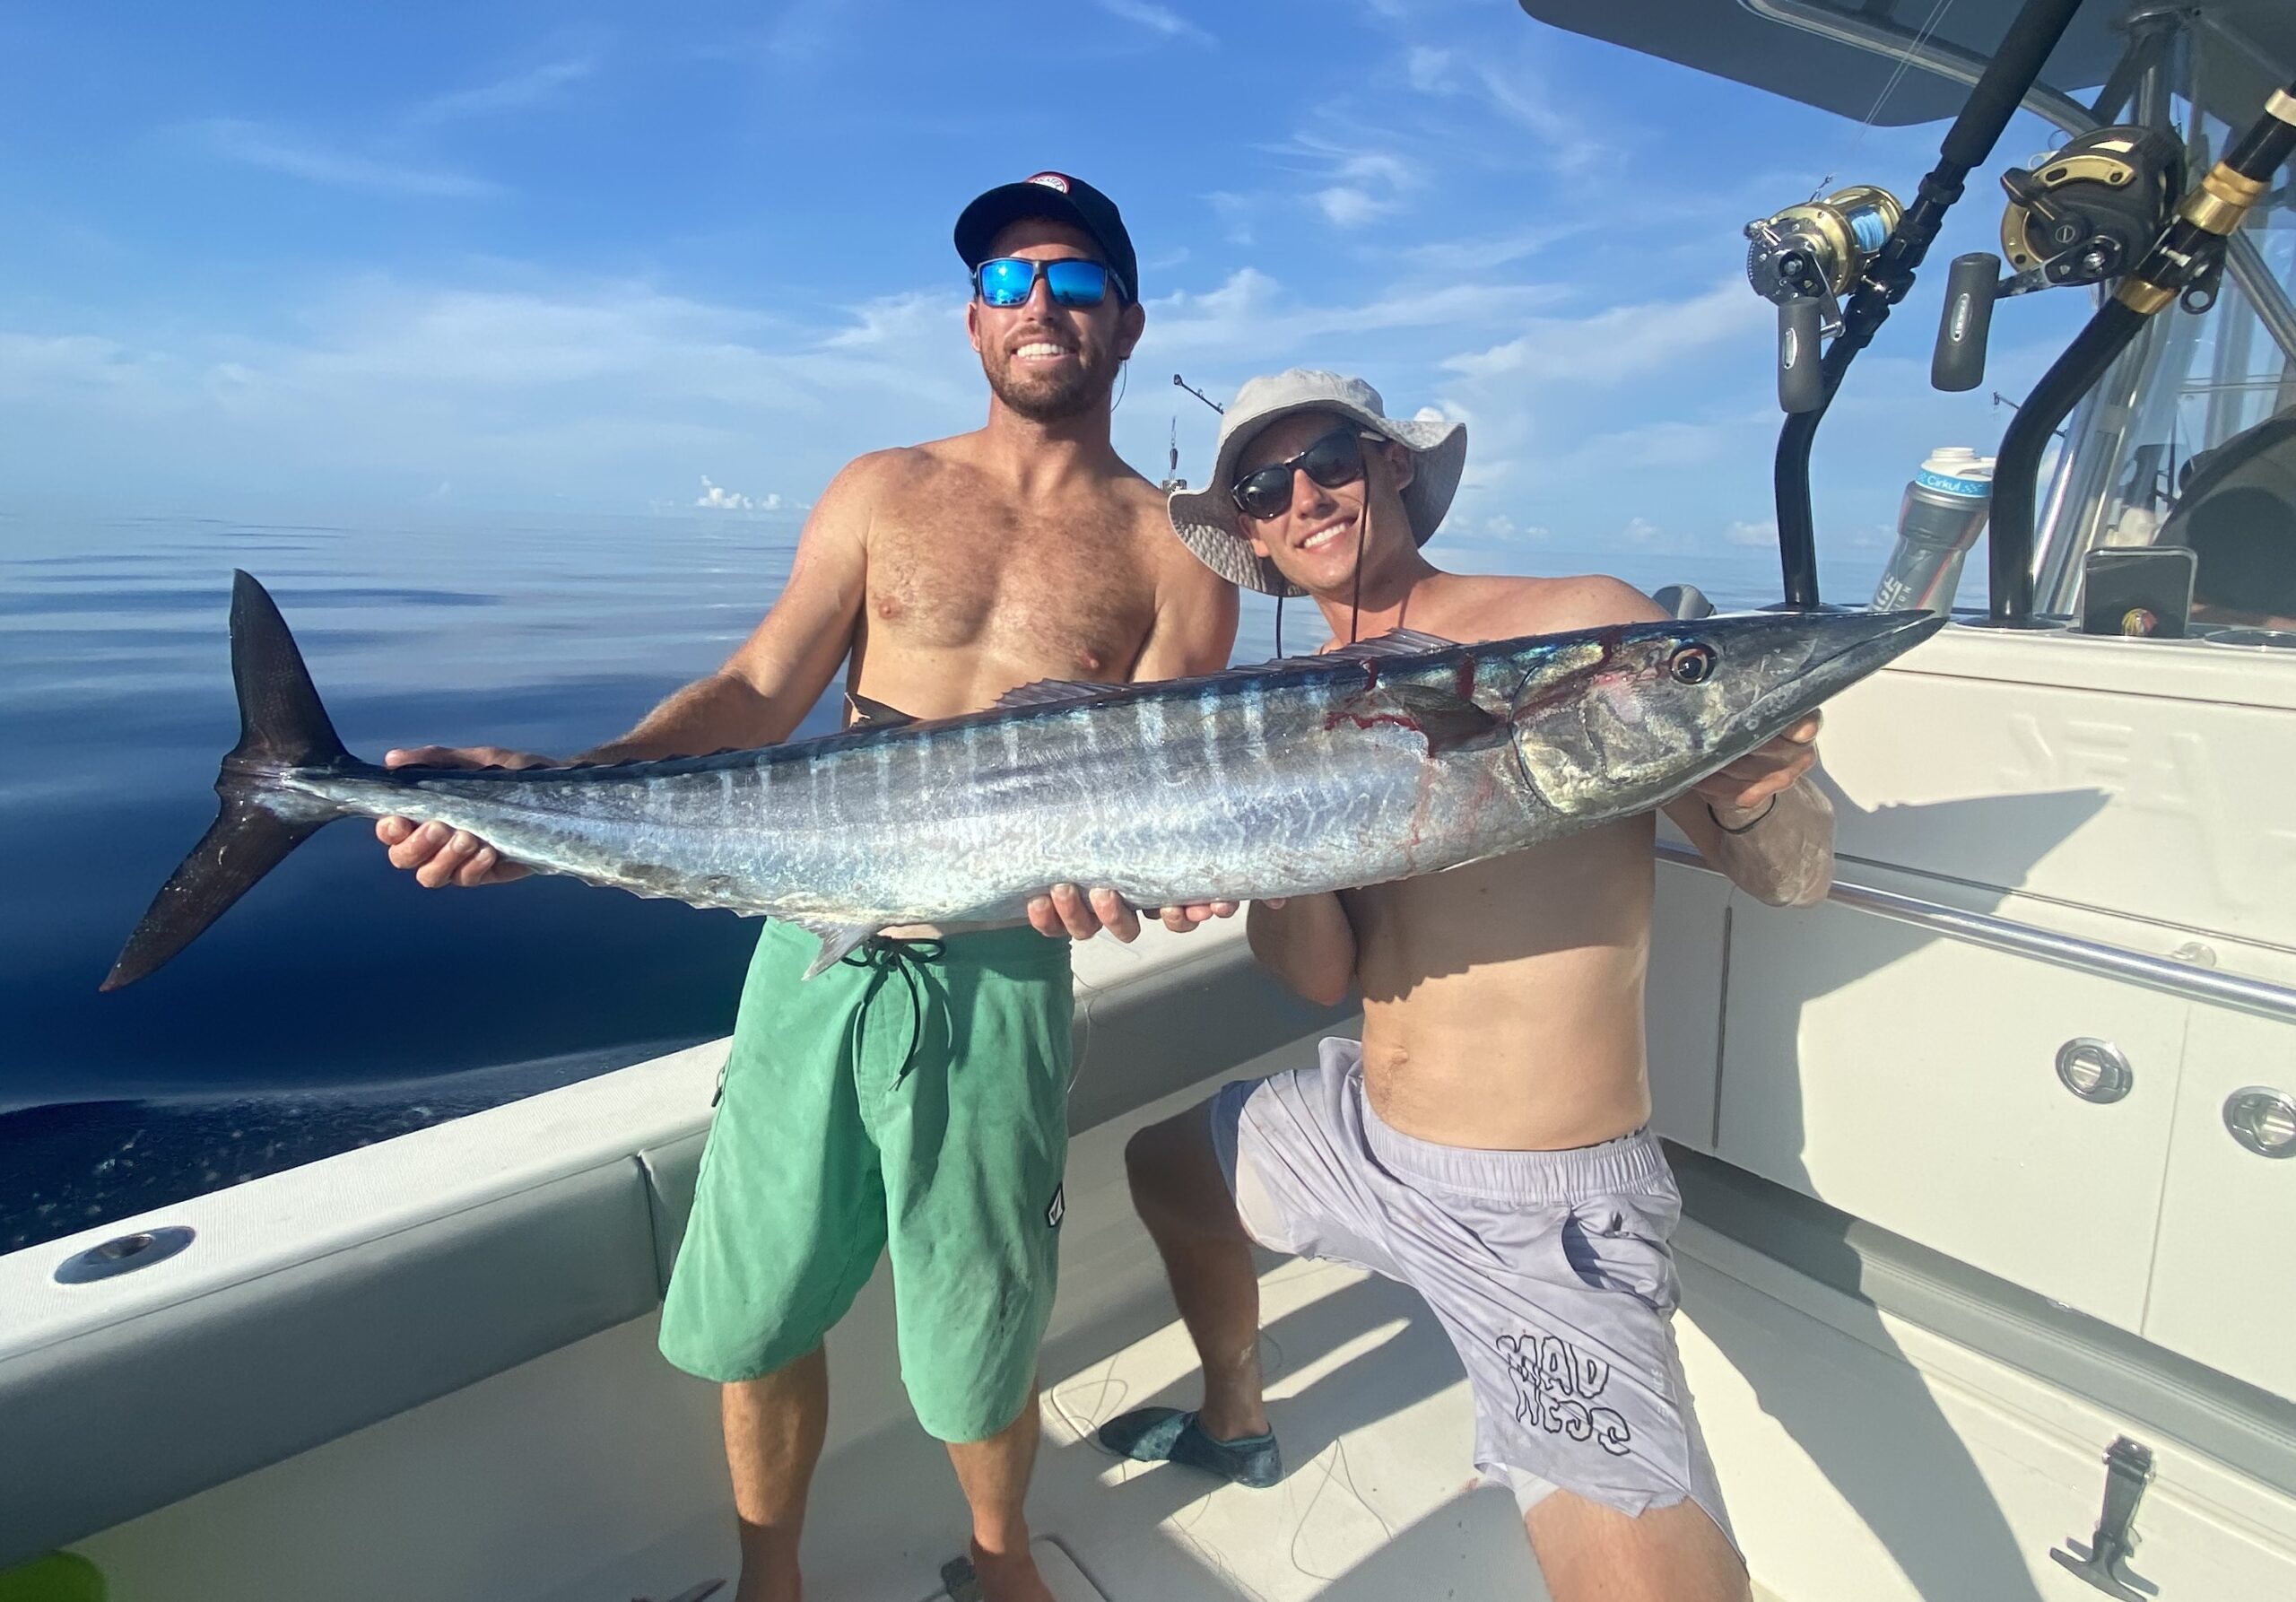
(1336,459)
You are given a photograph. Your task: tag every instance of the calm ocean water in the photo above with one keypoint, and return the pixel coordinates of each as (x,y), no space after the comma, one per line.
(339,1004)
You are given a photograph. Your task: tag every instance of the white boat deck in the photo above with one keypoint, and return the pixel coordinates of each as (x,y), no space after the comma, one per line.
(1367,1397)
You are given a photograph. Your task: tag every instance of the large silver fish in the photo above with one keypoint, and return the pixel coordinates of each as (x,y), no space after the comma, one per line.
(1400,756)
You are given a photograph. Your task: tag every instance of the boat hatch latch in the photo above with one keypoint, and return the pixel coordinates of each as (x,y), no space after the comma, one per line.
(123,1254)
(2102,1563)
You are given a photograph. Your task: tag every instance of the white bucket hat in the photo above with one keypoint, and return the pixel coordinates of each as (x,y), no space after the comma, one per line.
(1207,520)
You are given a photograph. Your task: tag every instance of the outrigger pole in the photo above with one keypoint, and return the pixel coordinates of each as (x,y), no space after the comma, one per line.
(2184,263)
(1889,277)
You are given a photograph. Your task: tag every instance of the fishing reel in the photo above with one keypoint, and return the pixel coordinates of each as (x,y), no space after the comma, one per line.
(2079,216)
(1815,250)
(1802,260)
(2086,213)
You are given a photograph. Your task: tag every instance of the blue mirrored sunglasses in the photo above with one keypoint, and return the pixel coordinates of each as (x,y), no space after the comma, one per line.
(1008,281)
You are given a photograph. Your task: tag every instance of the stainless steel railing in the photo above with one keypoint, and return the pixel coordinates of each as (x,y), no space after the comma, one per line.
(2066,950)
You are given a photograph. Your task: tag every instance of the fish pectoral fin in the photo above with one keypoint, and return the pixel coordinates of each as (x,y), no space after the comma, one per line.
(875,714)
(836,939)
(1448,722)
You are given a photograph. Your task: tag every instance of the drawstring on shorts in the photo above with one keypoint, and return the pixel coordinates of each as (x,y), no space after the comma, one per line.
(889,955)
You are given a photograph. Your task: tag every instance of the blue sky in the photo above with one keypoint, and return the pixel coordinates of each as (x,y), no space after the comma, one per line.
(363,261)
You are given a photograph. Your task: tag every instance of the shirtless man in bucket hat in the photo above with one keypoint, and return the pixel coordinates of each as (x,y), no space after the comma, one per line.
(1486,1143)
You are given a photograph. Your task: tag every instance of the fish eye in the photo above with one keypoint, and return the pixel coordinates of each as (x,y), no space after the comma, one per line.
(1692,665)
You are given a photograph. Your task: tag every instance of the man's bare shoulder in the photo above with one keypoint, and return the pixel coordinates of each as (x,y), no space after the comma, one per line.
(869,477)
(1499,606)
(883,480)
(899,465)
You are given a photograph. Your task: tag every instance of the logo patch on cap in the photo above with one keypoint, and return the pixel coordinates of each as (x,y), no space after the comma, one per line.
(1051,181)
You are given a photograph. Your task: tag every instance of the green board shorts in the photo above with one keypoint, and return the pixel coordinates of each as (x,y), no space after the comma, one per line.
(914,1096)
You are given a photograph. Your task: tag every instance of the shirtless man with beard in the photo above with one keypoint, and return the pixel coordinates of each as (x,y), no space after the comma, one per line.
(942,576)
(1486,1142)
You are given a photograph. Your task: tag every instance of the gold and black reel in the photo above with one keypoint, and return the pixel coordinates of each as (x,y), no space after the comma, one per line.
(1816,251)
(2088,211)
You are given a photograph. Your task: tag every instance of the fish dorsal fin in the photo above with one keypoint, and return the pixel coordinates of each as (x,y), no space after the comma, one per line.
(1396,643)
(1448,722)
(1047,693)
(836,939)
(875,714)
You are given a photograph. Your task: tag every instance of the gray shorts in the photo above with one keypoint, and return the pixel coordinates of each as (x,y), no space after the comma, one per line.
(1549,1271)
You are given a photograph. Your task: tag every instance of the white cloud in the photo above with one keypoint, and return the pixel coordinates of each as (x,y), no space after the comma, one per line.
(1519,93)
(718,498)
(31,362)
(516,93)
(1157,19)
(1481,255)
(1763,534)
(1235,212)
(1252,319)
(1638,531)
(1364,183)
(255,145)
(891,321)
(1346,207)
(581,393)
(1499,526)
(1621,341)
(1428,68)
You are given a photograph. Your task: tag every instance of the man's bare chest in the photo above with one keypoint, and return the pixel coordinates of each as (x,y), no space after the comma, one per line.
(1587,892)
(1076,596)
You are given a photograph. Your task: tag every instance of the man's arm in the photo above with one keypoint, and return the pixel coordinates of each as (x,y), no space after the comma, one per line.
(763,692)
(1195,629)
(767,685)
(1764,824)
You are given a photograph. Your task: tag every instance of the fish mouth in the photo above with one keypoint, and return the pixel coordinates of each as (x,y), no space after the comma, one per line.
(1881,638)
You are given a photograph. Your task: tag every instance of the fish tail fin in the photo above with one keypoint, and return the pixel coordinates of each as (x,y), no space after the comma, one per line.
(282,726)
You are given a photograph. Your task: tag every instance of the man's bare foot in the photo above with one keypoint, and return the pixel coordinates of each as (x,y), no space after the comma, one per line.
(1009,1577)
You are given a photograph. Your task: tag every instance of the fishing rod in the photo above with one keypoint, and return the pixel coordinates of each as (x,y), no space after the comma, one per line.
(2185,263)
(1860,242)
(1179,382)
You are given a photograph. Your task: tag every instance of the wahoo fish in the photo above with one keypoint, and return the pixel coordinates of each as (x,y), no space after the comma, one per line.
(1401,756)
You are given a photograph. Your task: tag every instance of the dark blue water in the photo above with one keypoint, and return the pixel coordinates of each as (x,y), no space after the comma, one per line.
(338,1002)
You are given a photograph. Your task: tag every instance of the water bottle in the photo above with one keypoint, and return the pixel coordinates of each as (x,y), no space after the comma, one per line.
(1938,522)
